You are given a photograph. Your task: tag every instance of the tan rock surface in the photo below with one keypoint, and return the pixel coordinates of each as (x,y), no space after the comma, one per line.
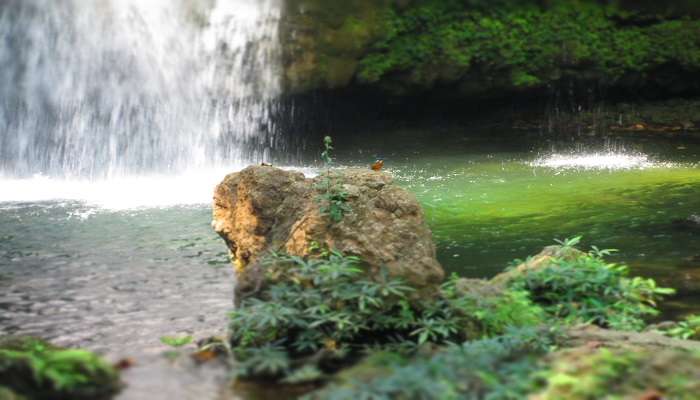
(262,209)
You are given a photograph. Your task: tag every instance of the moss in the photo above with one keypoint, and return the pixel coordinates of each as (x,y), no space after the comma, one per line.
(33,368)
(580,374)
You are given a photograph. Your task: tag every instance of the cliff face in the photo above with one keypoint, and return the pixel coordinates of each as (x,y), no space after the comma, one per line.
(492,48)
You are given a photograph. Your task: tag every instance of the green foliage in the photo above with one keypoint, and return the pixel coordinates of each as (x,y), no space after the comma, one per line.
(589,289)
(327,150)
(497,368)
(514,366)
(328,308)
(35,369)
(176,342)
(325,303)
(522,44)
(688,329)
(333,198)
(267,360)
(489,314)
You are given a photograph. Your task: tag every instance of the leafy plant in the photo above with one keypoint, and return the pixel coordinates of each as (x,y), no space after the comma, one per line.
(327,309)
(268,360)
(333,198)
(176,342)
(588,289)
(569,242)
(504,367)
(489,313)
(688,329)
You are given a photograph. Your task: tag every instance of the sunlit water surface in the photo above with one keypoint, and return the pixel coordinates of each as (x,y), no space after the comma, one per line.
(115,265)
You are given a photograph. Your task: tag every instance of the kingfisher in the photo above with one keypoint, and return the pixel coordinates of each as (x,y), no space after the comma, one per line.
(378,165)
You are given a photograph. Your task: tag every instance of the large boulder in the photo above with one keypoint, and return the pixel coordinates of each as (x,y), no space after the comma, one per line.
(263,209)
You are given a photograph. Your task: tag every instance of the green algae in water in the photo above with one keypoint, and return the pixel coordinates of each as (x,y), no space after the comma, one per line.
(494,213)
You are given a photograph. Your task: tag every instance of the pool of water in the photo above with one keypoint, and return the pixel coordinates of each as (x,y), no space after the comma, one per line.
(115,265)
(490,200)
(115,281)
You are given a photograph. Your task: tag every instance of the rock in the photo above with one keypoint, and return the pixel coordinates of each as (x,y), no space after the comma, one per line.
(541,261)
(478,288)
(590,335)
(263,209)
(692,223)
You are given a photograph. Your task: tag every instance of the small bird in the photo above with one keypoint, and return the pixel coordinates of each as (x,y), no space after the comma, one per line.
(378,165)
(264,164)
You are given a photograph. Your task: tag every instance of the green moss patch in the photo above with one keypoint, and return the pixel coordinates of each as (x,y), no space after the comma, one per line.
(580,374)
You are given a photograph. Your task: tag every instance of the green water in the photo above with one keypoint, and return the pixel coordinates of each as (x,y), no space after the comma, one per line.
(487,204)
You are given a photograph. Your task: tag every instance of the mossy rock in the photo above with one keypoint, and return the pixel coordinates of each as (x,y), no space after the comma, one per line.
(582,374)
(37,370)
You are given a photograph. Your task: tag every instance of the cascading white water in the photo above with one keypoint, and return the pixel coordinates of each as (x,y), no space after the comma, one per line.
(112,87)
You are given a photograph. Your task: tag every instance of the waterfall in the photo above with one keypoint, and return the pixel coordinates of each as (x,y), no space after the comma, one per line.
(105,88)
